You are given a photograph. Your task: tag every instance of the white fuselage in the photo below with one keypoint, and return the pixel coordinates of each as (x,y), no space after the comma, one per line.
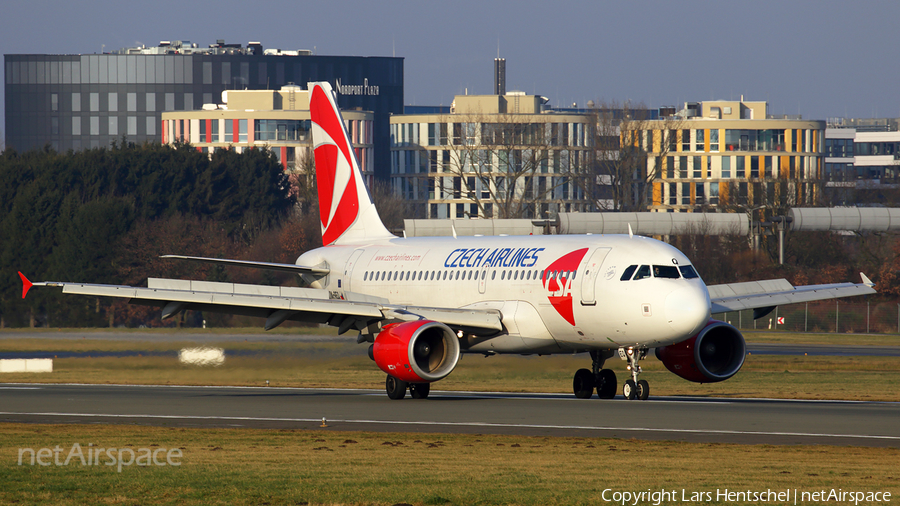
(555,293)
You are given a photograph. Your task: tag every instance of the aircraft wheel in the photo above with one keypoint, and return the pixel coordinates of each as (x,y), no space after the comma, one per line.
(643,390)
(419,390)
(396,389)
(629,390)
(583,384)
(606,384)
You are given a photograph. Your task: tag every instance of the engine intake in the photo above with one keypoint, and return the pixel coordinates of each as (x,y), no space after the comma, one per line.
(716,353)
(416,352)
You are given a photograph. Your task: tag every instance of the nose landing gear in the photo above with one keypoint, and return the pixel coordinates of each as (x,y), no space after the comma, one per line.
(604,380)
(634,388)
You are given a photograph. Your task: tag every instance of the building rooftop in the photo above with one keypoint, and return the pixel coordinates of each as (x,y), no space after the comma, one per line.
(219,48)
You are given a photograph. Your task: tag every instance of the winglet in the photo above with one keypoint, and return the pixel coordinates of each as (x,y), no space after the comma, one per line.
(866,281)
(26,285)
(630,232)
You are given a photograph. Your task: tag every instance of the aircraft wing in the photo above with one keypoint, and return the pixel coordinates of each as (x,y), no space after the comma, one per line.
(297,269)
(278,304)
(765,295)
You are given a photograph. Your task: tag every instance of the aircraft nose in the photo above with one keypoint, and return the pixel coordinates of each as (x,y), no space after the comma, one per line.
(687,309)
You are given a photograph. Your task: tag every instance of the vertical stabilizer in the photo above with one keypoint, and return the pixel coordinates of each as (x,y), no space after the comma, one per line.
(345,208)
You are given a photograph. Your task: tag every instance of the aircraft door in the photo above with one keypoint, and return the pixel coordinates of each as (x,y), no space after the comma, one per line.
(590,269)
(482,278)
(348,269)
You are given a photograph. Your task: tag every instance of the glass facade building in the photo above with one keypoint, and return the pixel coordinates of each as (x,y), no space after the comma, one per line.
(277,120)
(492,156)
(732,155)
(87,101)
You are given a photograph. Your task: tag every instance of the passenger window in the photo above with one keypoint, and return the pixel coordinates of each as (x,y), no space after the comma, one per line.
(542,274)
(365,276)
(502,275)
(665,271)
(628,272)
(493,274)
(688,272)
(483,275)
(643,272)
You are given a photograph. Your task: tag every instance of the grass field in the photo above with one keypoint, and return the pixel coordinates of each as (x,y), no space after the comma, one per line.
(284,360)
(223,466)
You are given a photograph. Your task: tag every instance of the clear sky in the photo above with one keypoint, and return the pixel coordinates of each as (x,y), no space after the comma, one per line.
(821,59)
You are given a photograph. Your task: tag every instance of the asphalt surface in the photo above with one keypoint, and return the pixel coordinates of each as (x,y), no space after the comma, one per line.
(822,350)
(754,421)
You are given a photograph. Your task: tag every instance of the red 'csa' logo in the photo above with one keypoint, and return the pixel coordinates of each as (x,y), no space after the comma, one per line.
(338,201)
(558,279)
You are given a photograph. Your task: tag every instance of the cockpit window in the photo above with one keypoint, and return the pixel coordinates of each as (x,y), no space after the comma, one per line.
(628,272)
(665,271)
(688,272)
(643,272)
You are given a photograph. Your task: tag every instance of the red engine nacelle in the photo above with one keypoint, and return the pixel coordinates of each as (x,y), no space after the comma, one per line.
(716,353)
(416,352)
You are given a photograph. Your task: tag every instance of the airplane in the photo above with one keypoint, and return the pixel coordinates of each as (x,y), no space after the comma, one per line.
(420,302)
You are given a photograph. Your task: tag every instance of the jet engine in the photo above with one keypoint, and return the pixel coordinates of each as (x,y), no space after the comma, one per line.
(416,352)
(716,353)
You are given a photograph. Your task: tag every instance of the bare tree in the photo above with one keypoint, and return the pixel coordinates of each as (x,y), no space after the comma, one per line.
(303,182)
(630,153)
(509,165)
(392,208)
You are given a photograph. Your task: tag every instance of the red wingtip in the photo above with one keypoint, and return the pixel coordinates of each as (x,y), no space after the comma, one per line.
(26,285)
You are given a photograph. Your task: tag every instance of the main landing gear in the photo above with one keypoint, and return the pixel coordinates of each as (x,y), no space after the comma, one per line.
(604,380)
(396,389)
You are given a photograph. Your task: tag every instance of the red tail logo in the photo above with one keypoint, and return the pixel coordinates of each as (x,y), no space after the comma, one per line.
(338,196)
(558,279)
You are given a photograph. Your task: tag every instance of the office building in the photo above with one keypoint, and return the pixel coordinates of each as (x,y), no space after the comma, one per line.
(277,120)
(82,101)
(492,156)
(732,154)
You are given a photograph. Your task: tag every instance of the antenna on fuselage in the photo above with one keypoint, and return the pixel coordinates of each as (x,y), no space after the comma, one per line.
(630,232)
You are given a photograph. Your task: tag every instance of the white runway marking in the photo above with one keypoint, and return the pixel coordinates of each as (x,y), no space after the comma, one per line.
(471,424)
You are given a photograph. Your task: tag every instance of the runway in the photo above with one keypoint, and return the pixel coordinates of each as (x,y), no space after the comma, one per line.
(751,421)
